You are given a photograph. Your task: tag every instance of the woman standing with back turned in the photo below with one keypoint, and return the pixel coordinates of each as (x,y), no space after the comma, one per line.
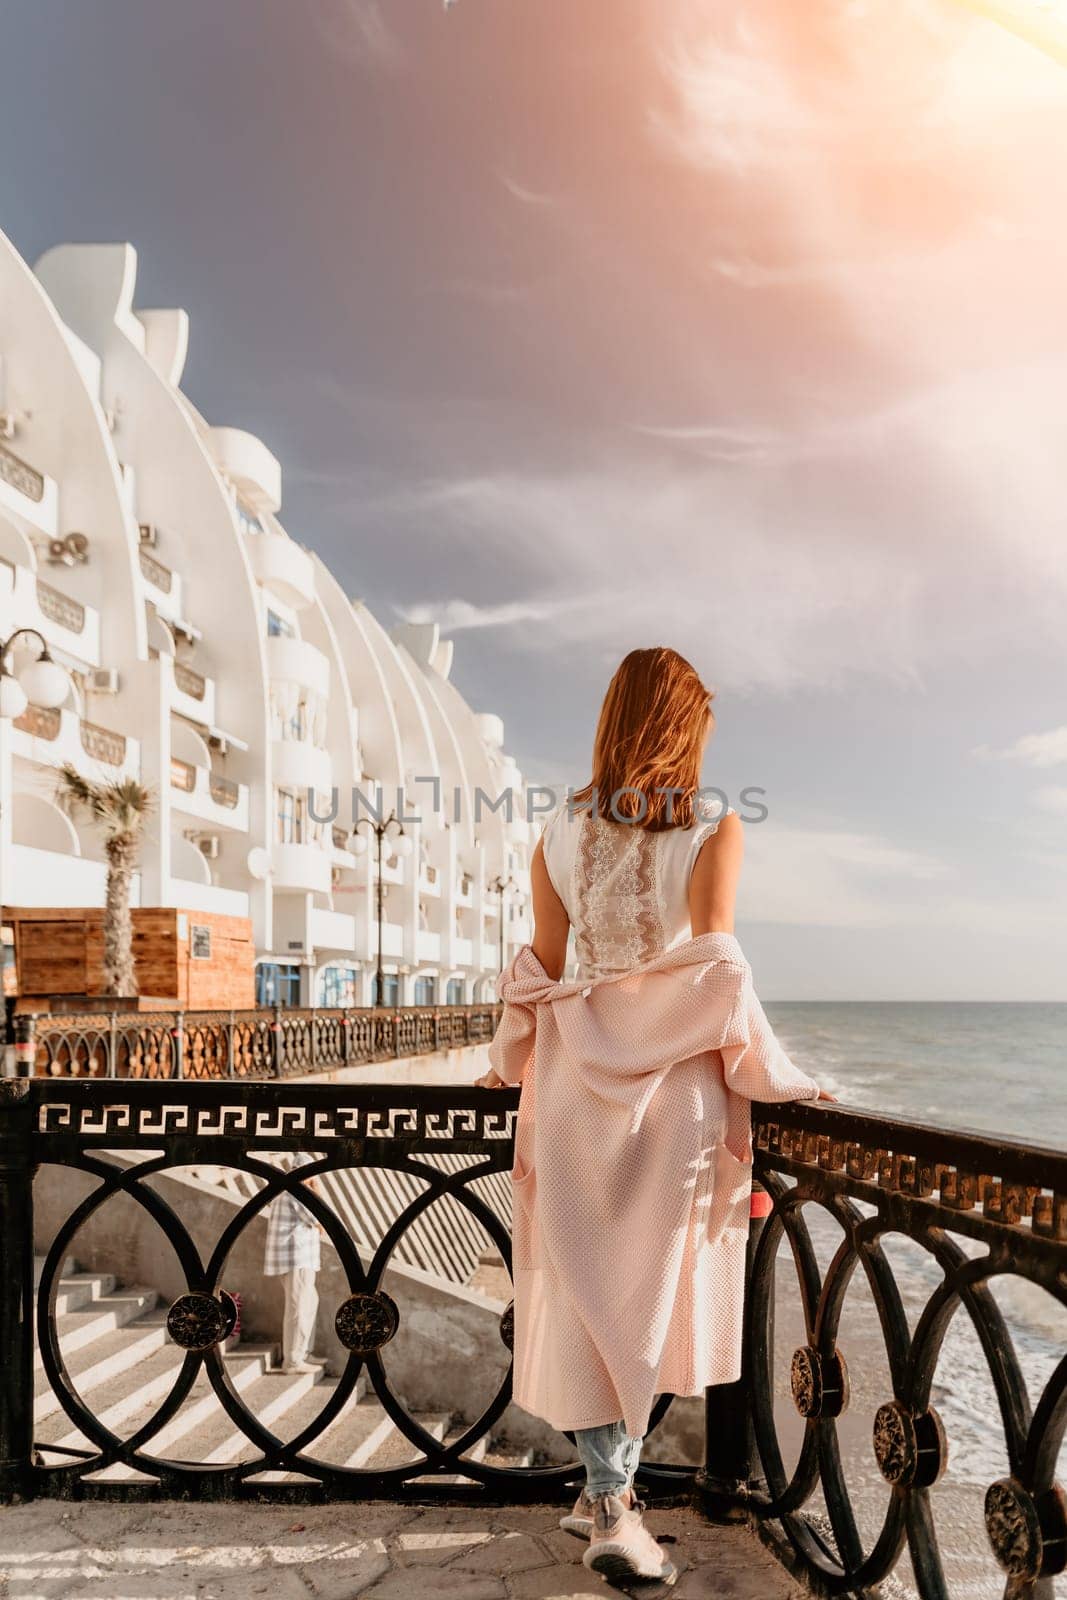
(633,1155)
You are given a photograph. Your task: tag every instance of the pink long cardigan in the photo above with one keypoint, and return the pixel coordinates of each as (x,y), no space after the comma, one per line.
(633,1166)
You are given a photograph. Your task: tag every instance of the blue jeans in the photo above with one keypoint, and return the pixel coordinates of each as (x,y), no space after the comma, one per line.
(609,1455)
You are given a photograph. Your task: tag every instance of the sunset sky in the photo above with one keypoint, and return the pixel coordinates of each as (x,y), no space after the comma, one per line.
(583,324)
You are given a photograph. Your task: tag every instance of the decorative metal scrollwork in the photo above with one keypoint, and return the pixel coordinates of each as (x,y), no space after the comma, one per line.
(1028,1533)
(366,1322)
(507,1325)
(909,1449)
(198,1321)
(819,1381)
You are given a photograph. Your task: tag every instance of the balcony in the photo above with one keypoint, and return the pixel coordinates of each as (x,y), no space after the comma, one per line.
(280,565)
(301,868)
(331,931)
(36,877)
(197,792)
(246,462)
(27,601)
(193,694)
(209,897)
(297,661)
(162,586)
(463,952)
(299,765)
(30,494)
(51,738)
(430,880)
(428,946)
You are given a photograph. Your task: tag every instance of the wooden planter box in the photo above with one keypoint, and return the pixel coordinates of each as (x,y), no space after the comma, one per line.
(190,960)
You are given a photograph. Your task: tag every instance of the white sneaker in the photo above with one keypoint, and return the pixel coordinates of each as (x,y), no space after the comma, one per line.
(580,1521)
(621,1547)
(312,1364)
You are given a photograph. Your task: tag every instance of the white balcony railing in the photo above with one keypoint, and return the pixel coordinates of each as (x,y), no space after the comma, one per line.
(203,794)
(28,492)
(297,661)
(281,566)
(29,601)
(303,867)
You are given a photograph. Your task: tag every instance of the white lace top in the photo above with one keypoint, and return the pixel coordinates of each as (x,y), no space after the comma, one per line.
(625,889)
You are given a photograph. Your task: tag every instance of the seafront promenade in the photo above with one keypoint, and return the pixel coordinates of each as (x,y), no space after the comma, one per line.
(381,1552)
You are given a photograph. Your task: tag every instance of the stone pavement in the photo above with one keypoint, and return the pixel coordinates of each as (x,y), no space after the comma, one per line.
(57,1551)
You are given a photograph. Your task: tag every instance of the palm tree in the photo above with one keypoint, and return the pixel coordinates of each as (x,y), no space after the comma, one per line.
(119,807)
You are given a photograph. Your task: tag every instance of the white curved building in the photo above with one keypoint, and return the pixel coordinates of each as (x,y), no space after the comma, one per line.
(218,660)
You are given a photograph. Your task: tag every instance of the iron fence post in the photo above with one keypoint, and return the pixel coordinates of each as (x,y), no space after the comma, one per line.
(231,1067)
(16,1290)
(278,1042)
(179,1046)
(731,1459)
(25,1044)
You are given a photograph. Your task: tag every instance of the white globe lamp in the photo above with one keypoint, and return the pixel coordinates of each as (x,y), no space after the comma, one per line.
(13,701)
(45,682)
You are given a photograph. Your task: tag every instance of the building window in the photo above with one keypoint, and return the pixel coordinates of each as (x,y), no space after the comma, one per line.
(277,984)
(278,628)
(390,990)
(425,991)
(454,992)
(290,817)
(337,987)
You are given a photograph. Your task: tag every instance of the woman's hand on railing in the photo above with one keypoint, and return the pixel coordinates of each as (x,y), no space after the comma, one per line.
(824,1094)
(490,1080)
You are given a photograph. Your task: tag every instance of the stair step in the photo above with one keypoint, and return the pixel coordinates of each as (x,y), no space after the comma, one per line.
(398,1450)
(353,1437)
(80,1328)
(200,1418)
(82,1289)
(67,1269)
(103,1359)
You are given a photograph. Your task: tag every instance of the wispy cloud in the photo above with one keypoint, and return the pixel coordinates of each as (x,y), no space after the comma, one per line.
(528,197)
(457,616)
(1032,749)
(357,30)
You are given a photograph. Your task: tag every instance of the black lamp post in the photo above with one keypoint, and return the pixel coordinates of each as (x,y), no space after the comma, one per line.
(381,830)
(501,886)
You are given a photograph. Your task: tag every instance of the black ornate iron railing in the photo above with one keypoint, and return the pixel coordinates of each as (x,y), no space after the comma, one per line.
(240,1044)
(74,1125)
(982,1210)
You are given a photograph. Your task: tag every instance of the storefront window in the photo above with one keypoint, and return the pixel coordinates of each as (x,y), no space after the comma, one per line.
(337,987)
(277,984)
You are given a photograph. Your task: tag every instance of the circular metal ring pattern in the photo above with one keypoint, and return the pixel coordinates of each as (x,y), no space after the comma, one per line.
(1028,1533)
(910,1450)
(366,1322)
(507,1325)
(197,1321)
(819,1382)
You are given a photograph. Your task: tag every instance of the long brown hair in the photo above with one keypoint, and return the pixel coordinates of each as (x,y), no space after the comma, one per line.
(650,739)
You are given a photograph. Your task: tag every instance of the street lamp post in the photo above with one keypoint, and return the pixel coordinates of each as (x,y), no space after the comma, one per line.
(500,886)
(402,846)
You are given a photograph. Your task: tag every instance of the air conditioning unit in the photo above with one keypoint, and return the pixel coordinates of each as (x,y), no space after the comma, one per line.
(104,680)
(8,425)
(68,552)
(209,846)
(149,535)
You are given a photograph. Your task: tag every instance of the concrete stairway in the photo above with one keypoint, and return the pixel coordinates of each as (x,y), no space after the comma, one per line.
(121,1361)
